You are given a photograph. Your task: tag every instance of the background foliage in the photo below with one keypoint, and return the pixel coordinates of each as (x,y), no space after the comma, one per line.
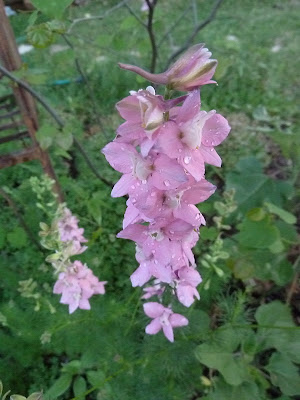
(242,341)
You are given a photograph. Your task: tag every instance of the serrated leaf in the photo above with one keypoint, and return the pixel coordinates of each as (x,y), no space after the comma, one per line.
(40,36)
(60,386)
(52,8)
(286,216)
(79,387)
(284,374)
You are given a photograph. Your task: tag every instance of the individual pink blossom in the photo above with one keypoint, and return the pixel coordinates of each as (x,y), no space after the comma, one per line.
(163,318)
(193,69)
(156,290)
(188,280)
(76,285)
(68,228)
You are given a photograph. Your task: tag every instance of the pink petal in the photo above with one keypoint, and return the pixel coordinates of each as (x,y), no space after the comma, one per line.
(167,174)
(177,320)
(120,155)
(190,107)
(186,294)
(134,232)
(131,215)
(169,141)
(129,109)
(188,213)
(123,185)
(190,275)
(153,310)
(154,327)
(199,192)
(193,162)
(84,304)
(210,156)
(215,130)
(129,132)
(168,332)
(141,275)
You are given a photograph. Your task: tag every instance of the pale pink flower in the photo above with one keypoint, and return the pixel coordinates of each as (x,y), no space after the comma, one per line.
(163,318)
(76,285)
(188,280)
(68,228)
(193,69)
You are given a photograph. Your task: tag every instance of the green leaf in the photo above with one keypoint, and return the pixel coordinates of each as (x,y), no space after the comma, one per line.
(256,214)
(32,18)
(231,365)
(79,387)
(52,8)
(245,391)
(253,188)
(210,233)
(95,378)
(257,234)
(72,368)
(35,396)
(60,386)
(64,140)
(17,397)
(40,36)
(283,214)
(2,237)
(57,26)
(128,23)
(45,135)
(285,339)
(17,238)
(284,374)
(287,232)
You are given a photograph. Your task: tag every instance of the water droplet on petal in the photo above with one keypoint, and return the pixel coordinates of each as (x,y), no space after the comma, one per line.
(133,200)
(171,232)
(132,187)
(167,183)
(155,262)
(180,150)
(211,149)
(152,194)
(144,182)
(187,159)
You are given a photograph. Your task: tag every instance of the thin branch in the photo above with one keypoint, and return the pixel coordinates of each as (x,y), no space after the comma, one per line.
(174,25)
(294,284)
(151,5)
(86,81)
(191,38)
(56,117)
(96,17)
(135,15)
(22,222)
(195,12)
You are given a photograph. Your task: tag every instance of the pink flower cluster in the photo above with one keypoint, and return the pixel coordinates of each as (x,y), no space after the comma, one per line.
(161,149)
(77,284)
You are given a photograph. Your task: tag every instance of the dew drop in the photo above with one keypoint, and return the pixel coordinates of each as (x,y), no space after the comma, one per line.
(180,150)
(144,182)
(187,159)
(152,194)
(171,232)
(167,183)
(132,187)
(133,200)
(211,149)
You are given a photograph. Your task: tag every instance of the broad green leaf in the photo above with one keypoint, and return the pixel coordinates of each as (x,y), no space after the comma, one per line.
(40,36)
(231,365)
(17,238)
(256,214)
(210,233)
(283,214)
(45,135)
(245,391)
(60,386)
(52,8)
(285,338)
(57,26)
(64,140)
(128,23)
(17,397)
(253,188)
(79,387)
(72,368)
(284,374)
(243,269)
(287,232)
(257,234)
(35,396)
(95,378)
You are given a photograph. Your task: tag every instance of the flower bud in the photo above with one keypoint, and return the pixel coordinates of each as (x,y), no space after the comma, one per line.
(193,69)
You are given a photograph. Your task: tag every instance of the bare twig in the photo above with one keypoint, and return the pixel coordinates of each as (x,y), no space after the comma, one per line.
(96,17)
(191,38)
(56,117)
(90,91)
(131,11)
(22,222)
(151,5)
